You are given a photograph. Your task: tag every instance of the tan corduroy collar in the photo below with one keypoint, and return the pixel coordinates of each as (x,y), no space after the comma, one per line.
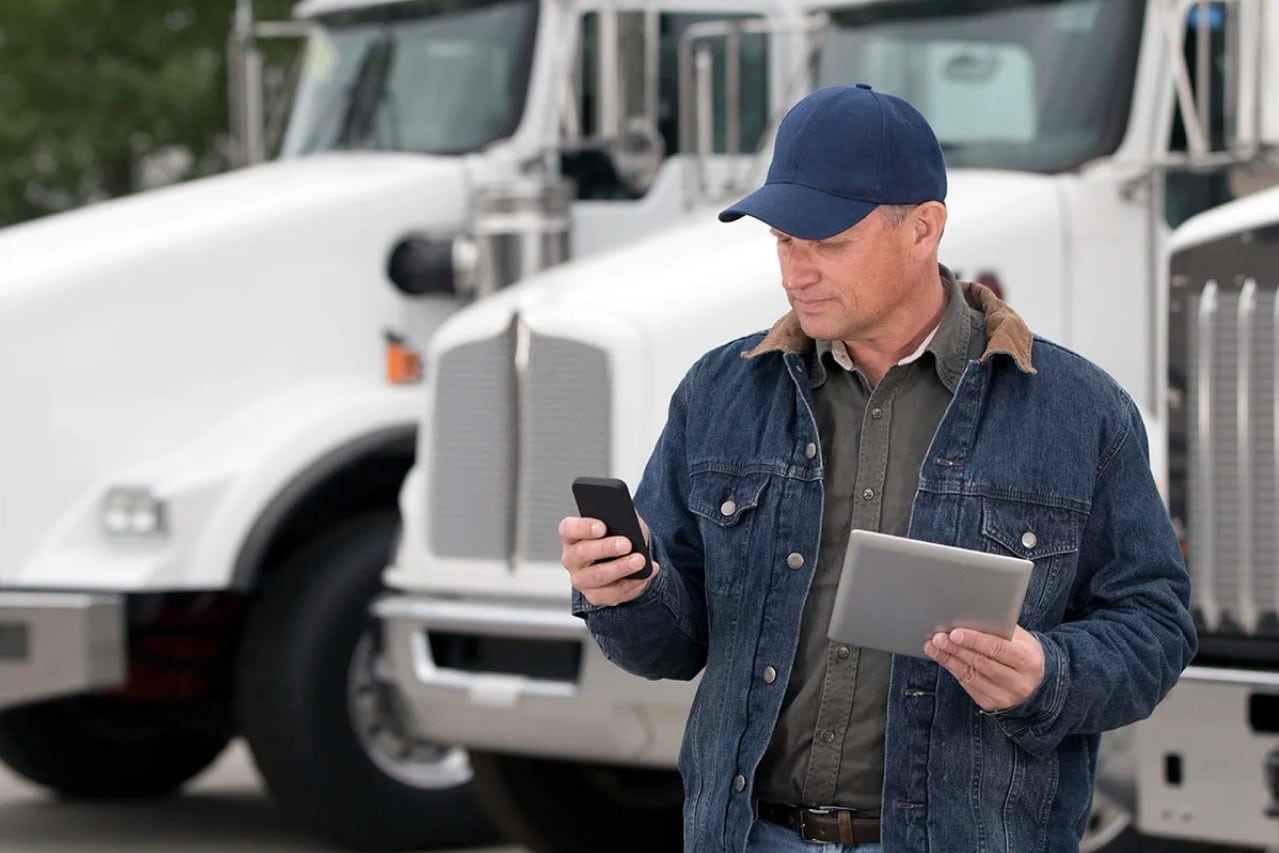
(1006,332)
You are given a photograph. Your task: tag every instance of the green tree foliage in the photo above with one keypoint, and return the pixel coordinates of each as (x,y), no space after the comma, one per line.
(99,98)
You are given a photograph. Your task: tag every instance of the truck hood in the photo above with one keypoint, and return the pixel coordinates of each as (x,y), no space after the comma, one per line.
(56,249)
(700,282)
(136,326)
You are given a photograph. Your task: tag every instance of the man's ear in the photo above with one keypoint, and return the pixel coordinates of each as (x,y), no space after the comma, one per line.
(928,221)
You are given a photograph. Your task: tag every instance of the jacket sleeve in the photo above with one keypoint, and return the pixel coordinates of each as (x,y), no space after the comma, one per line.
(1129,633)
(663,632)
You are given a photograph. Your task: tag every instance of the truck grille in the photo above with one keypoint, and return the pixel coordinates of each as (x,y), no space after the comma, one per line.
(516,418)
(1224,437)
(473,453)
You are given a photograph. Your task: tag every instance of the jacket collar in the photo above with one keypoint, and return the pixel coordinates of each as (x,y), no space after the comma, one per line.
(1006,332)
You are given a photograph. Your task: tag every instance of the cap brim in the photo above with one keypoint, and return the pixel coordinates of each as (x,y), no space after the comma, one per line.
(800,211)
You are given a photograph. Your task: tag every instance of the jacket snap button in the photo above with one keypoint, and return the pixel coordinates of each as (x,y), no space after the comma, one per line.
(770,675)
(1029,540)
(727,508)
(740,783)
(795,561)
(811,450)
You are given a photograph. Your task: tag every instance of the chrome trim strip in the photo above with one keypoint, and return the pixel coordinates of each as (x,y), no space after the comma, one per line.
(1240,677)
(482,617)
(1205,514)
(1244,479)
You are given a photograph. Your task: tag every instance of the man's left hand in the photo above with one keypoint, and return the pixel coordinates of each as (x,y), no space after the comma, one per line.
(997,673)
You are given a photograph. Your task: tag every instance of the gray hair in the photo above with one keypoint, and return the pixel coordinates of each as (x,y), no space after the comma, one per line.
(895,214)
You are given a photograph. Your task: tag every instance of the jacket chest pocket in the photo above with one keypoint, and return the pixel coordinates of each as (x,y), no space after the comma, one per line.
(1047,536)
(726,506)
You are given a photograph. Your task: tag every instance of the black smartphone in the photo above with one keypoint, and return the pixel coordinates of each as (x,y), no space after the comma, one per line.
(609,500)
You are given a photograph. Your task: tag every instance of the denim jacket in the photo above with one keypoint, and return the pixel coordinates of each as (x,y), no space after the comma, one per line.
(733,501)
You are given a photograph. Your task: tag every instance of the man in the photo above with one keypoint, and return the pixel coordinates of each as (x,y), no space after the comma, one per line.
(891,398)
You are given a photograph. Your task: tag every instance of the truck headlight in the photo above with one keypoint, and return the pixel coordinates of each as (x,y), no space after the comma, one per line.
(132,511)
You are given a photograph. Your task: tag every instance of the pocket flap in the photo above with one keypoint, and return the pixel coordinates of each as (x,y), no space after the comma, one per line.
(725,498)
(1031,531)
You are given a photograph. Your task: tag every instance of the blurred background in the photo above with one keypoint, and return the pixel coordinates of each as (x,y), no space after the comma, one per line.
(284,445)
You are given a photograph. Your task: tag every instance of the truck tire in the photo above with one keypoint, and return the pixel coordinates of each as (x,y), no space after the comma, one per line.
(552,806)
(324,732)
(99,747)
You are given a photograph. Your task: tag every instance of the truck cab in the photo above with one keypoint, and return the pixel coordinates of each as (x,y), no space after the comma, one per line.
(1077,134)
(214,388)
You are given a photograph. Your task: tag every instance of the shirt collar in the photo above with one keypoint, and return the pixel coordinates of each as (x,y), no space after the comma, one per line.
(947,342)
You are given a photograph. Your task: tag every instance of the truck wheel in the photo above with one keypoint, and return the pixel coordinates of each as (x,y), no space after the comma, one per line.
(325,732)
(566,807)
(104,748)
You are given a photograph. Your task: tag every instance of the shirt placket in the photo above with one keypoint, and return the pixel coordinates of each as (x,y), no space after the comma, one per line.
(839,688)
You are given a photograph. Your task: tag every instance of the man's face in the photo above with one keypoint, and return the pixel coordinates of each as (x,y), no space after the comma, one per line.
(843,287)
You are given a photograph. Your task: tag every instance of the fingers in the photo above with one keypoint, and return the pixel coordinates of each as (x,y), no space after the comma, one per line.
(995,672)
(598,565)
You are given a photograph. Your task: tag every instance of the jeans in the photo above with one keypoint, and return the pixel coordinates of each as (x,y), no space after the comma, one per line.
(769,837)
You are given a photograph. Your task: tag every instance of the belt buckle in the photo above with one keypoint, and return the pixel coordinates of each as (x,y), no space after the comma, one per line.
(813,811)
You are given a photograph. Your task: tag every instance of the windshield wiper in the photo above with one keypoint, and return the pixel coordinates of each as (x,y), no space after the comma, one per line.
(359,101)
(367,93)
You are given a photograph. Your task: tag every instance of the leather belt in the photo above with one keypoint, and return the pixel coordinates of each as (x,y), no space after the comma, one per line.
(829,824)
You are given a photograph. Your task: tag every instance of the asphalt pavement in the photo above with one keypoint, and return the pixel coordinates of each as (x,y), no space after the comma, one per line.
(225,809)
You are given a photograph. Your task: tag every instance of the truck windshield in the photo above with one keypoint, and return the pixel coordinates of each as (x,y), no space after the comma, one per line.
(436,76)
(1038,86)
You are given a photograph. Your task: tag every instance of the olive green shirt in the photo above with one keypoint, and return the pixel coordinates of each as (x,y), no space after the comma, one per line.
(828,746)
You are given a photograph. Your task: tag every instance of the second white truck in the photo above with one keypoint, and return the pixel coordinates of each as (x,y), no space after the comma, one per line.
(1077,134)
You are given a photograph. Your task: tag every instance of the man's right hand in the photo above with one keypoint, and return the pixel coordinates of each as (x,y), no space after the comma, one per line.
(598,565)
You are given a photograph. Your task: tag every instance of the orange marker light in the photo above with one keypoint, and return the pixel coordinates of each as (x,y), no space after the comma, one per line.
(403,364)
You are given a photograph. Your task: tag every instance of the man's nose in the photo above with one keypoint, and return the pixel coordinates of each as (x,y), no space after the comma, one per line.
(797,272)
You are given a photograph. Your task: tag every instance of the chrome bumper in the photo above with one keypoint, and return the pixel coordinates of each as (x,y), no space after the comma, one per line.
(596,712)
(53,644)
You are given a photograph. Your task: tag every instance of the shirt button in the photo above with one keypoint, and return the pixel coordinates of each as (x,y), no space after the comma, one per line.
(727,508)
(740,783)
(770,675)
(1029,540)
(811,450)
(828,736)
(844,652)
(868,494)
(877,413)
(795,561)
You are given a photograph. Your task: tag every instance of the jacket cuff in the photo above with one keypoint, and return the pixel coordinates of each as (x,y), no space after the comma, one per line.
(1031,723)
(654,591)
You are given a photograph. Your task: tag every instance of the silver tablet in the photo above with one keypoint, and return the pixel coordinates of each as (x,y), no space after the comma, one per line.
(895,593)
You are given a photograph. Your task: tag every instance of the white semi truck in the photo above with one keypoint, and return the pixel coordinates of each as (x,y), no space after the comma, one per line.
(1208,758)
(1077,134)
(211,391)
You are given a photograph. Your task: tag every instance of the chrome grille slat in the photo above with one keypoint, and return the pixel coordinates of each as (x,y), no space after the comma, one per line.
(1245,495)
(1224,453)
(1267,553)
(1201,474)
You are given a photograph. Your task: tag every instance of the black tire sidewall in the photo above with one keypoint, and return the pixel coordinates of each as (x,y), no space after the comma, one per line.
(291,699)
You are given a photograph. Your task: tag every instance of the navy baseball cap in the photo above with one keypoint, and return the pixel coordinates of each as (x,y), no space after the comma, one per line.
(840,153)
